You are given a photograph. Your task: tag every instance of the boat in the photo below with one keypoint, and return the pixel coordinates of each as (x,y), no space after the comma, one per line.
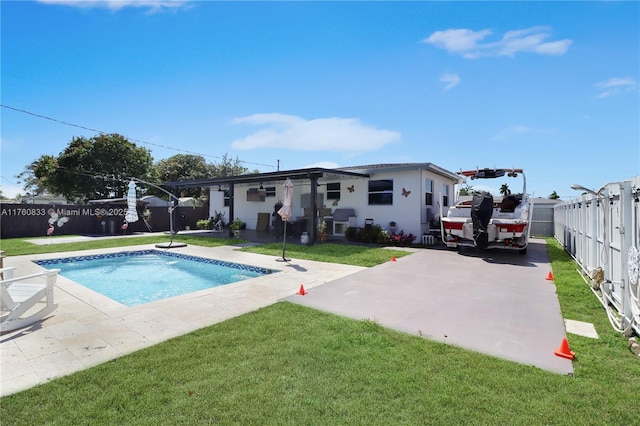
(486,214)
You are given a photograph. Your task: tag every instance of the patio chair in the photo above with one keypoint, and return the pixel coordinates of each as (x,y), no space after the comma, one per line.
(21,298)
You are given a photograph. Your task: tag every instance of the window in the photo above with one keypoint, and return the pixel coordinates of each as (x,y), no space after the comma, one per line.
(381,192)
(271,191)
(333,191)
(227,198)
(428,192)
(445,195)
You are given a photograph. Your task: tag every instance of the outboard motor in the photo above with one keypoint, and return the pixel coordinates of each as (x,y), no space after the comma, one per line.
(481,212)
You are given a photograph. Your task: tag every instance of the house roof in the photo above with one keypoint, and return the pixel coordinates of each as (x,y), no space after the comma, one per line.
(313,172)
(308,173)
(399,167)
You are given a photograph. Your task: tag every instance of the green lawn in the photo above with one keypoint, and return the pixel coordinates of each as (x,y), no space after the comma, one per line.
(287,364)
(18,246)
(358,255)
(332,253)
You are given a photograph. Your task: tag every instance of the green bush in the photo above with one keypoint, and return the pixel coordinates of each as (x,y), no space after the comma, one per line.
(373,235)
(351,233)
(204,224)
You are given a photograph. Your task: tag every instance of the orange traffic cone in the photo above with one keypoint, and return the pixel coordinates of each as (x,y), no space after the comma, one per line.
(302,292)
(393,258)
(564,350)
(549,276)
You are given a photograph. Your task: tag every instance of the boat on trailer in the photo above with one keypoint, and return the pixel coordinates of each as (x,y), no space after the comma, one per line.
(488,217)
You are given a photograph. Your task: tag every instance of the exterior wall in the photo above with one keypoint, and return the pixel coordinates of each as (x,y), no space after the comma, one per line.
(247,211)
(409,212)
(405,211)
(434,208)
(216,204)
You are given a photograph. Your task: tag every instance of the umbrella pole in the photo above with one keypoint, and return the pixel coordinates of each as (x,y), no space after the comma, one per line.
(171,225)
(284,243)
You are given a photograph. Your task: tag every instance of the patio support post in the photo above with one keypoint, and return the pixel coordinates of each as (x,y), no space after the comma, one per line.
(231,204)
(314,207)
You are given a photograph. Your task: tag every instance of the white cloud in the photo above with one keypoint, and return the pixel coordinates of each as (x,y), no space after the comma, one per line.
(320,134)
(457,41)
(452,80)
(469,44)
(616,86)
(115,5)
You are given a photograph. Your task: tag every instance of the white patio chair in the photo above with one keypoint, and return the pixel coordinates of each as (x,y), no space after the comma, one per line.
(20,298)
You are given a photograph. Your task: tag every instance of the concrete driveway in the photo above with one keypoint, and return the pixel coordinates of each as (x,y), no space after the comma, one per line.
(495,302)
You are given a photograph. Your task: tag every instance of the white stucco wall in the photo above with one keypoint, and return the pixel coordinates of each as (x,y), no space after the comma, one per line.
(216,204)
(409,212)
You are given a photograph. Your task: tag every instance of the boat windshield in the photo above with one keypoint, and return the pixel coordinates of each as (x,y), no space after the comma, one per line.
(498,182)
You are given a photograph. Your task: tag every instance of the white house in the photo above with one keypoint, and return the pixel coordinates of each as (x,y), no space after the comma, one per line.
(407,194)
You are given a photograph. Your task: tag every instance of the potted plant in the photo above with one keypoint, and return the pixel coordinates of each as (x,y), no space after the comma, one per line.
(322,228)
(235,227)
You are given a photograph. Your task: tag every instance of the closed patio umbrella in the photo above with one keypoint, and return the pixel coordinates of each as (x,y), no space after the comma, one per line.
(132,214)
(285,214)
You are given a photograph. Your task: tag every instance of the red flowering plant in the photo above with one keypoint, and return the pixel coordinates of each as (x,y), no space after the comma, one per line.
(401,239)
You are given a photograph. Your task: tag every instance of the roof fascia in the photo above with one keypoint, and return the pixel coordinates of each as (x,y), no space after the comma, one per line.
(299,174)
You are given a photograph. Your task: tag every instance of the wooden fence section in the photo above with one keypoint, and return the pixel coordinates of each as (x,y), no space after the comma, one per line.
(33,220)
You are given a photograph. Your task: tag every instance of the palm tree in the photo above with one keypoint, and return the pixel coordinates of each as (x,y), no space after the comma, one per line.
(504,190)
(554,196)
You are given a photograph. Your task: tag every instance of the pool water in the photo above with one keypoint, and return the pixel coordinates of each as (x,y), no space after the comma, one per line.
(137,277)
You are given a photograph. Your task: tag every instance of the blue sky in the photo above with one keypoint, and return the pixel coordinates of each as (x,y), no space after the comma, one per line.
(551,87)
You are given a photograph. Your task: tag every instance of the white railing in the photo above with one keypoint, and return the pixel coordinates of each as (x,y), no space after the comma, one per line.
(601,231)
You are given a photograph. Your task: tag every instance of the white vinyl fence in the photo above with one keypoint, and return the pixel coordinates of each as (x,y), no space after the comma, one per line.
(601,230)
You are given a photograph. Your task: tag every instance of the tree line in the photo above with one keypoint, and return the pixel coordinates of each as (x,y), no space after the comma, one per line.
(101,166)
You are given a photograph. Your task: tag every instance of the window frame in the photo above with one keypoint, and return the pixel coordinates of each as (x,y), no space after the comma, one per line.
(270,191)
(428,192)
(445,195)
(333,191)
(382,196)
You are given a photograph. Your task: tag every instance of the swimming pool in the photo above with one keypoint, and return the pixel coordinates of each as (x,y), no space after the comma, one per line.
(136,277)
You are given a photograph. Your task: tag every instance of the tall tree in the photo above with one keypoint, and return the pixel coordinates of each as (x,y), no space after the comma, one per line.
(554,196)
(89,168)
(182,167)
(466,190)
(229,167)
(38,176)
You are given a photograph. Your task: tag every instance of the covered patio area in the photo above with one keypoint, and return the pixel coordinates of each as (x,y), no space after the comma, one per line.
(308,176)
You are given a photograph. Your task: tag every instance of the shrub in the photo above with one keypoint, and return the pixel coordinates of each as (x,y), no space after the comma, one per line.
(204,224)
(237,225)
(401,239)
(351,233)
(383,237)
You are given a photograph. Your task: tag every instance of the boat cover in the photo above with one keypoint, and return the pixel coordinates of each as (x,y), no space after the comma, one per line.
(481,211)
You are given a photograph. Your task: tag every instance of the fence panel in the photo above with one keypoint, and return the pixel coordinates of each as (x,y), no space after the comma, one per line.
(542,219)
(33,220)
(601,231)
